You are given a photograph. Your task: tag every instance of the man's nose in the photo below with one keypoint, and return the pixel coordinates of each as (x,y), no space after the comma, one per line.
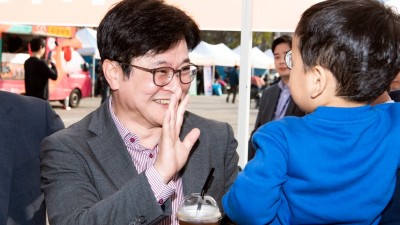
(175,81)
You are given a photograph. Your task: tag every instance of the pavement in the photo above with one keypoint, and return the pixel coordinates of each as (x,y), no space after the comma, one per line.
(213,107)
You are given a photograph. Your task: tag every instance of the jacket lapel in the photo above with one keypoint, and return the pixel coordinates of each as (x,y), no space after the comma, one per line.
(291,107)
(109,148)
(8,138)
(192,180)
(274,99)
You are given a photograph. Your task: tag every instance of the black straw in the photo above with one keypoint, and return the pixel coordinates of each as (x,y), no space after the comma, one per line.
(207,183)
(205,188)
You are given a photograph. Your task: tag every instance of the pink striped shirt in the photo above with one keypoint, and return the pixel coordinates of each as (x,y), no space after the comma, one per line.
(143,159)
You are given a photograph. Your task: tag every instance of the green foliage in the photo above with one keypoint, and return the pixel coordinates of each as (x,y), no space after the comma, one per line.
(262,40)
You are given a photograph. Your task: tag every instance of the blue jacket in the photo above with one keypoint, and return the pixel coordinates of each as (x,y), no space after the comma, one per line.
(333,166)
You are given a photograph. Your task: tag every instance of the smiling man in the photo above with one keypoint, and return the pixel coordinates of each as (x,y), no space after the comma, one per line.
(276,101)
(134,159)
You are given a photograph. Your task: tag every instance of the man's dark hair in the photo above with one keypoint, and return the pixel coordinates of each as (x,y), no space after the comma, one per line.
(282,39)
(357,40)
(37,43)
(133,28)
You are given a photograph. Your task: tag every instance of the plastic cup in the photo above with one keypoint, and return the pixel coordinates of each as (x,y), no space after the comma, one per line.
(195,210)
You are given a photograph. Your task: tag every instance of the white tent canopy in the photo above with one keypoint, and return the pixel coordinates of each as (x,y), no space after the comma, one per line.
(208,54)
(202,55)
(258,58)
(88,38)
(268,15)
(225,55)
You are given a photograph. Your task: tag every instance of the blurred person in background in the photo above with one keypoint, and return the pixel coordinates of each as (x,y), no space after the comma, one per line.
(37,71)
(233,81)
(276,101)
(256,86)
(104,87)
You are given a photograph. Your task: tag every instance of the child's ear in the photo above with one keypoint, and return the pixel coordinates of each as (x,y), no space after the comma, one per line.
(112,71)
(319,81)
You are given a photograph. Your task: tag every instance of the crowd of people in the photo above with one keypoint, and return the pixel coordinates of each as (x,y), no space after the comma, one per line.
(324,149)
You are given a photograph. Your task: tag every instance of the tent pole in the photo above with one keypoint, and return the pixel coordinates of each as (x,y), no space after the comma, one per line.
(244,84)
(93,74)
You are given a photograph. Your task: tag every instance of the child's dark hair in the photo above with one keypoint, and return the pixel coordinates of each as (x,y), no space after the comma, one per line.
(359,43)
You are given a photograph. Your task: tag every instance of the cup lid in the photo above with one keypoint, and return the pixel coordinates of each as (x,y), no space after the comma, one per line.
(190,210)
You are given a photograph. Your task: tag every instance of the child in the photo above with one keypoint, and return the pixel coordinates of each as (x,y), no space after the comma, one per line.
(336,165)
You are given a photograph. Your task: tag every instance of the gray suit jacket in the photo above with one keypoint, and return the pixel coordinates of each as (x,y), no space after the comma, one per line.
(266,112)
(24,122)
(89,178)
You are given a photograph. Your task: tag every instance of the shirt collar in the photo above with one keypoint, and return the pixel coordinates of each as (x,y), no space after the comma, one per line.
(123,131)
(282,86)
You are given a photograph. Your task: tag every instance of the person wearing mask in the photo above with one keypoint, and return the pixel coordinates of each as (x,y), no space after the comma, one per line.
(337,164)
(276,101)
(133,159)
(25,121)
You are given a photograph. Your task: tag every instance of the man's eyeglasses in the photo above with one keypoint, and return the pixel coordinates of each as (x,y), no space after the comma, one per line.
(163,75)
(288,59)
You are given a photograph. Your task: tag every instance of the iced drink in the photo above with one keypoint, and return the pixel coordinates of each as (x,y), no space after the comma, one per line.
(195,210)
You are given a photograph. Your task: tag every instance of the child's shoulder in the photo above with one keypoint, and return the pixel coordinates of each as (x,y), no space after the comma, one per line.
(389,106)
(287,122)
(390,109)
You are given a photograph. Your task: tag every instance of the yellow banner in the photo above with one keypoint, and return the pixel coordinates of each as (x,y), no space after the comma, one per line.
(55,31)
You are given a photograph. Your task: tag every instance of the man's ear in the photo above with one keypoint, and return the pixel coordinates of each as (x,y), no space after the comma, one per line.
(319,81)
(112,71)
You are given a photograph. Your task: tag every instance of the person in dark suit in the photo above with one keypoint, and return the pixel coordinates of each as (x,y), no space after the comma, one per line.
(134,159)
(37,71)
(25,121)
(276,101)
(395,95)
(391,214)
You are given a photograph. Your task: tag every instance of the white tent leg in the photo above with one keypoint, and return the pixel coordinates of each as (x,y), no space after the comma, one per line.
(93,74)
(244,83)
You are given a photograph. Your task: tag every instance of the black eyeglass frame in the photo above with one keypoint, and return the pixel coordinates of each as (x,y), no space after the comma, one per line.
(153,71)
(288,59)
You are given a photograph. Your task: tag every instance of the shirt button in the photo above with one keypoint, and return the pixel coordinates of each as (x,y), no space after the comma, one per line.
(160,201)
(132,140)
(151,155)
